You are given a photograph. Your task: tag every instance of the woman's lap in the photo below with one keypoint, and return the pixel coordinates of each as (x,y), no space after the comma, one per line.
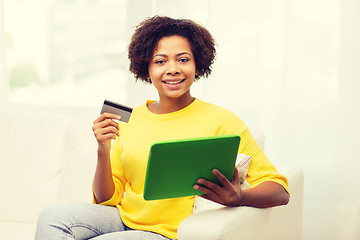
(131,235)
(86,221)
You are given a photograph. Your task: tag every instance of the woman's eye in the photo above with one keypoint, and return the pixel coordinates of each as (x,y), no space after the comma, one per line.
(183,60)
(159,61)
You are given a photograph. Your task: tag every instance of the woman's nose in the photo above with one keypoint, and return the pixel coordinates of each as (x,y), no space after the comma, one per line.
(173,68)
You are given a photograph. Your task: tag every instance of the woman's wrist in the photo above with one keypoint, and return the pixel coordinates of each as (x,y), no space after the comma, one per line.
(103,152)
(266,194)
(243,198)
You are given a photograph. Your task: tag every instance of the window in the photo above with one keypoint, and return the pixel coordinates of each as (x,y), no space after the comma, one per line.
(74,52)
(67,52)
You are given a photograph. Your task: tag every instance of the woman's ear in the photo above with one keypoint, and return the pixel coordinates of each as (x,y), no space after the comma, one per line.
(197,74)
(148,79)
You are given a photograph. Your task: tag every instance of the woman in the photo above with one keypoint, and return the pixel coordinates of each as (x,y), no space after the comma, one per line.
(170,54)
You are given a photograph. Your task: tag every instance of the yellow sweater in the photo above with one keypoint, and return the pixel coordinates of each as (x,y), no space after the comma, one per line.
(130,152)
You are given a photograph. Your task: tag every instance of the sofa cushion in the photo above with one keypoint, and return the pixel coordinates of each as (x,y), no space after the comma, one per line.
(81,156)
(17,231)
(32,147)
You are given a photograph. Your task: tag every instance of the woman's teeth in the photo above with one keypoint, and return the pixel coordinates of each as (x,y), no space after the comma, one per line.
(174,83)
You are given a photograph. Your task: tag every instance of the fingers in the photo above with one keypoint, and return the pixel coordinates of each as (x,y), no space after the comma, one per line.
(106,133)
(212,187)
(209,188)
(229,194)
(106,115)
(106,123)
(224,181)
(236,178)
(208,194)
(105,128)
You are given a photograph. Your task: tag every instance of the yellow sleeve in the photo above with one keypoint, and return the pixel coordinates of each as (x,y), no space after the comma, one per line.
(261,169)
(118,173)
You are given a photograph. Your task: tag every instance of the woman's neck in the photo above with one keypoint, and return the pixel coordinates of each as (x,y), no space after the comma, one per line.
(169,105)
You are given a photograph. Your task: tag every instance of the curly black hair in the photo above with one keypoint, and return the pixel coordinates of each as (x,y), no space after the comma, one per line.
(148,33)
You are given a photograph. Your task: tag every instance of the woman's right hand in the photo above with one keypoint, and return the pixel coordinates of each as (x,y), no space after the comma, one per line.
(105,129)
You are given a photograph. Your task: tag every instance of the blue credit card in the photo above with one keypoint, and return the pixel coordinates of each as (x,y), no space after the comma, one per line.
(112,107)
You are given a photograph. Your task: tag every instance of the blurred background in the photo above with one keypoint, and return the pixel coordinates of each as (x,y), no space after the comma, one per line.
(288,67)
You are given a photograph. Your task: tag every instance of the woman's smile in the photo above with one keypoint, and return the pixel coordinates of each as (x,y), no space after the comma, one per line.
(173,82)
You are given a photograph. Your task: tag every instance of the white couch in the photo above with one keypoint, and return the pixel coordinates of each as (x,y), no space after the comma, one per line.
(49,155)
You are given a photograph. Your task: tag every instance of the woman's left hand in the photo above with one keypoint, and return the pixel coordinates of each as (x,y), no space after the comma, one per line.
(229,195)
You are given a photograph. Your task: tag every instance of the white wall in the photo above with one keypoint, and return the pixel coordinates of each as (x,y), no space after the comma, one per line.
(348,127)
(291,67)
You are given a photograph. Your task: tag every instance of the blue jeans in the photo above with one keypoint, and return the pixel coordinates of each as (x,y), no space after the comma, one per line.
(86,221)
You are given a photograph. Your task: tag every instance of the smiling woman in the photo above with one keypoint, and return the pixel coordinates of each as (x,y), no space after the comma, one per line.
(171,52)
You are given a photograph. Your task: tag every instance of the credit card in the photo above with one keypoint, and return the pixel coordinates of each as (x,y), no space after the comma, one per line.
(112,107)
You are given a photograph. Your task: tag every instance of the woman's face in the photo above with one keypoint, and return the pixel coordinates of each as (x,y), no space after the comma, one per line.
(172,68)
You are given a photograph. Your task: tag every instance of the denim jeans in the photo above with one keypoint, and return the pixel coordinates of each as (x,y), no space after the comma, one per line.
(86,221)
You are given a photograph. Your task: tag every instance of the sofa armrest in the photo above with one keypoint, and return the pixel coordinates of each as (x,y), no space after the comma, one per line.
(284,222)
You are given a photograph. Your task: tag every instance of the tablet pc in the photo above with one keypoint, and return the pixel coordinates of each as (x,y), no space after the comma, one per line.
(175,166)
